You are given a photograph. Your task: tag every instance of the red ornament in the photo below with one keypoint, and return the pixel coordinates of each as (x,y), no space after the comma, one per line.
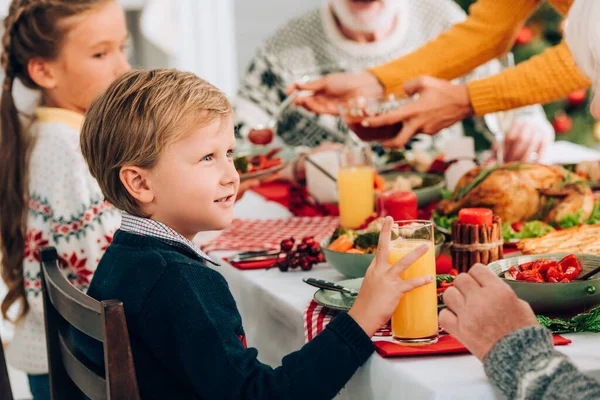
(577,97)
(261,136)
(562,124)
(524,36)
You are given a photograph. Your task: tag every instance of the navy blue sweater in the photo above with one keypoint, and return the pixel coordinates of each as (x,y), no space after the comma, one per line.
(187,336)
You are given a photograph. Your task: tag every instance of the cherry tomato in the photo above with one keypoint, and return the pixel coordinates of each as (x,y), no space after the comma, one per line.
(517,226)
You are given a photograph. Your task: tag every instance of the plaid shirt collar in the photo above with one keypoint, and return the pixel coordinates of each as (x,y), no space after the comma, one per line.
(152,228)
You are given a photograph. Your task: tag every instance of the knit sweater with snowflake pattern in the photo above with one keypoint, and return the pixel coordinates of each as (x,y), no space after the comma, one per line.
(312,45)
(66,210)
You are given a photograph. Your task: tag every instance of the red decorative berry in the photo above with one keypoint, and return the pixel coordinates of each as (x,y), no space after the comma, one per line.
(309,241)
(562,123)
(287,245)
(305,264)
(282,265)
(303,256)
(524,36)
(302,248)
(577,98)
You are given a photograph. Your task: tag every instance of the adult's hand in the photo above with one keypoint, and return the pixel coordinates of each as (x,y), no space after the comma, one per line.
(439,104)
(335,88)
(481,310)
(526,141)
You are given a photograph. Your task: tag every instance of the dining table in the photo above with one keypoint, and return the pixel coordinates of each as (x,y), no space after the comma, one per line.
(272,305)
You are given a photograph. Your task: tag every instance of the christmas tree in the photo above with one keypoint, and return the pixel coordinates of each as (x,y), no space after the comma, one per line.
(569,116)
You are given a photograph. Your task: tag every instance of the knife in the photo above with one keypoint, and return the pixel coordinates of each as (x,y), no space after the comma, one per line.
(321,284)
(254,255)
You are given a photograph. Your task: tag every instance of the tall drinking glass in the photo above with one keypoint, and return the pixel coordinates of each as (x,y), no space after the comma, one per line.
(499,123)
(415,321)
(355,185)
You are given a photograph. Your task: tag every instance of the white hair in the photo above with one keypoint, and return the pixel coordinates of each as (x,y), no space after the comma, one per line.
(582,34)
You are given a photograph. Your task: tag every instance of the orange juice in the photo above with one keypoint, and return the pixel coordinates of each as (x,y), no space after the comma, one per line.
(415,320)
(356,195)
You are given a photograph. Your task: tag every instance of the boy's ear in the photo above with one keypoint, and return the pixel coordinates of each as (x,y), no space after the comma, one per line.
(135,180)
(42,73)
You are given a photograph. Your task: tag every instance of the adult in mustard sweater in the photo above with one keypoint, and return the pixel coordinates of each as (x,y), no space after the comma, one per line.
(488,32)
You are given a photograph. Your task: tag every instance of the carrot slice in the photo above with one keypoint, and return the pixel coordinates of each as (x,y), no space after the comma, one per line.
(342,244)
(355,251)
(379,182)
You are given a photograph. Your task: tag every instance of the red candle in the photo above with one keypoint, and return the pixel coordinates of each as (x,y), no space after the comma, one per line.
(476,216)
(399,205)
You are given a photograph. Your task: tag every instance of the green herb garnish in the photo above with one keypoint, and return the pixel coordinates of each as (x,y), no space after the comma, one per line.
(444,278)
(571,220)
(531,229)
(595,217)
(443,221)
(587,322)
(367,241)
(462,192)
(241,164)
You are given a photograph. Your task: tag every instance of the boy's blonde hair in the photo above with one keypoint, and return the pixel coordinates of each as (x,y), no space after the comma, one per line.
(141,113)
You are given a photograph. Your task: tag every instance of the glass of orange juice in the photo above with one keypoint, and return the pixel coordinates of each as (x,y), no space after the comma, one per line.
(355,186)
(415,321)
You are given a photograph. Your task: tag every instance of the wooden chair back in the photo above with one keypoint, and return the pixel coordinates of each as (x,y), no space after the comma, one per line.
(71,373)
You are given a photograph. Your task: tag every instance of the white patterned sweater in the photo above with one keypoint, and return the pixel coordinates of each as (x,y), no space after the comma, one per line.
(313,45)
(66,210)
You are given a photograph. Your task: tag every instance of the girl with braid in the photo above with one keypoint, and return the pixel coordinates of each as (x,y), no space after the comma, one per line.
(69,50)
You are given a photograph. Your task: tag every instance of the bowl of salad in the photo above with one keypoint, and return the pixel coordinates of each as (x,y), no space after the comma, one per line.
(350,251)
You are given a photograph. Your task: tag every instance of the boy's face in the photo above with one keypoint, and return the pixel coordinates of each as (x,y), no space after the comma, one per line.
(195,182)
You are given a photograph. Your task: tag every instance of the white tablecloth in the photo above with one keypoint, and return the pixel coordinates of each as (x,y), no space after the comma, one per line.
(272,304)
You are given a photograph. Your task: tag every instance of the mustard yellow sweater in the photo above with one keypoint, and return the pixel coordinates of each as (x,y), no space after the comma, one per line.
(487,33)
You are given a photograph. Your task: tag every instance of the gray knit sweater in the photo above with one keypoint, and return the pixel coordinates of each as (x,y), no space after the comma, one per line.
(313,45)
(525,365)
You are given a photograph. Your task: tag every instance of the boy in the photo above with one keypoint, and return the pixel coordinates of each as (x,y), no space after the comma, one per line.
(160,144)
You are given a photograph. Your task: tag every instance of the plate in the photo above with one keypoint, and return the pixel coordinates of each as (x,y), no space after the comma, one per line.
(336,300)
(286,154)
(428,192)
(339,301)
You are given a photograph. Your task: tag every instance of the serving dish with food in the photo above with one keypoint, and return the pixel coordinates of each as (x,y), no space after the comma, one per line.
(262,161)
(350,251)
(530,199)
(533,279)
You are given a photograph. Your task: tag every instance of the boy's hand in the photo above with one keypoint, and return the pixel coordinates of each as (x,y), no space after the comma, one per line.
(383,287)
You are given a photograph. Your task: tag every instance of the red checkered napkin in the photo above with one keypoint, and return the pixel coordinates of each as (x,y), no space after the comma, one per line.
(252,235)
(316,318)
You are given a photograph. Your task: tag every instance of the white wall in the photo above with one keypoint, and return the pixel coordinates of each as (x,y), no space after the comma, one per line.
(257,19)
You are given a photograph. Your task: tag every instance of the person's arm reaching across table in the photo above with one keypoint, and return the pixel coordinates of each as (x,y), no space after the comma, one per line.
(502,331)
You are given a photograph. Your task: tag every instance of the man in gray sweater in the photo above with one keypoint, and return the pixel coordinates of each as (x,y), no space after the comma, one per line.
(502,331)
(351,35)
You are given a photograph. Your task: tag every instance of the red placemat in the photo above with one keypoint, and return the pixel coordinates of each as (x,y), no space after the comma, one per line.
(252,235)
(316,318)
(446,344)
